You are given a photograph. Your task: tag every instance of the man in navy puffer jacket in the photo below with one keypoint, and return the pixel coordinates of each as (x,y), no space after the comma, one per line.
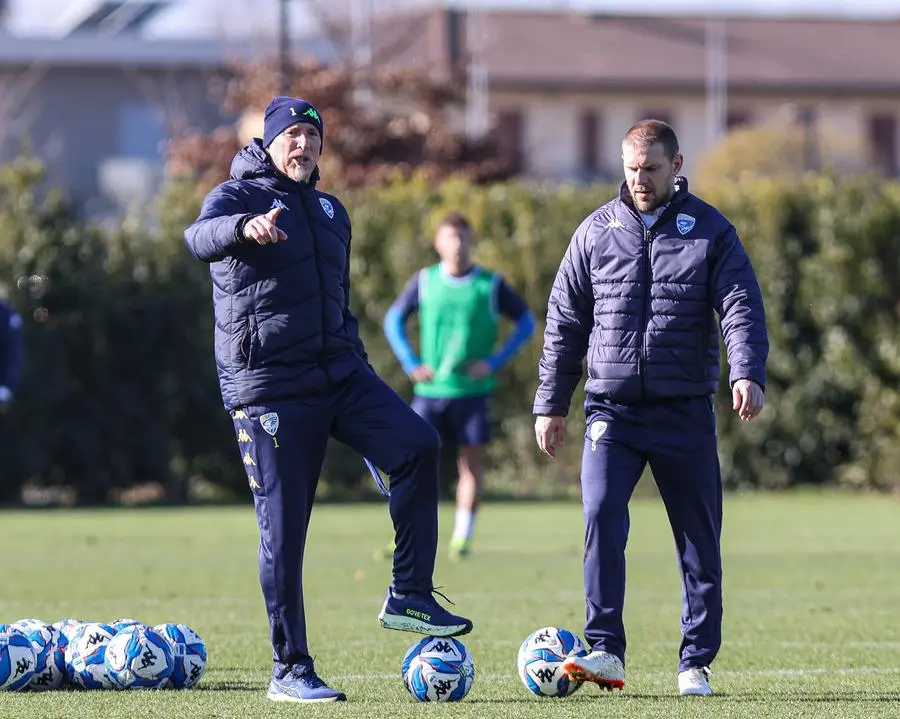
(293,372)
(637,293)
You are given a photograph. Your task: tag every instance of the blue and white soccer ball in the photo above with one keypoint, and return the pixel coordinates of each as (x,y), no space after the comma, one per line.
(122,624)
(49,664)
(16,659)
(189,651)
(438,669)
(67,629)
(540,661)
(85,655)
(139,657)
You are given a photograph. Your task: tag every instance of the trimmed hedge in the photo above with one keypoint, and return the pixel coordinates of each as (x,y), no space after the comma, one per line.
(120,386)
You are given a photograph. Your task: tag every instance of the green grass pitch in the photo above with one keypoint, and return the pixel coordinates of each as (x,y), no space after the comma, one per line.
(812,607)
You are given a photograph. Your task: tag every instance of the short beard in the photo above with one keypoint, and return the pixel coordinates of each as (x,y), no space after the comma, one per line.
(298,173)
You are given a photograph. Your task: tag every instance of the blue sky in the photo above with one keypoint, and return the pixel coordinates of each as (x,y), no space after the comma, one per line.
(236,18)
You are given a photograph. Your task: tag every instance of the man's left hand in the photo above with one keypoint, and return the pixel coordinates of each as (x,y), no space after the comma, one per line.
(747,399)
(479,369)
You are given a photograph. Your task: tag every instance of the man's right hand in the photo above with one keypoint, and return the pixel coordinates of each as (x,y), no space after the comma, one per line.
(548,431)
(262,228)
(422,373)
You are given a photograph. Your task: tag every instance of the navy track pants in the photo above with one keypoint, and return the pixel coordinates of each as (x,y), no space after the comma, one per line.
(678,440)
(282,447)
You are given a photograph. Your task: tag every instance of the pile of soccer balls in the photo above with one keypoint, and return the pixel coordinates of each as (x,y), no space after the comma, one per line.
(435,669)
(125,654)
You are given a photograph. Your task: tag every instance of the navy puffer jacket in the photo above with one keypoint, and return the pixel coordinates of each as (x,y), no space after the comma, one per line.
(641,304)
(283,322)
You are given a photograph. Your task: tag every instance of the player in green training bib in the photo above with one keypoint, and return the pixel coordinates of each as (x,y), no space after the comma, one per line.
(460,306)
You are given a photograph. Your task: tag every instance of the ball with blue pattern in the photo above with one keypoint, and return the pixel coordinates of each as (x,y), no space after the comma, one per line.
(85,655)
(438,669)
(68,628)
(122,624)
(540,661)
(189,651)
(49,664)
(139,657)
(16,659)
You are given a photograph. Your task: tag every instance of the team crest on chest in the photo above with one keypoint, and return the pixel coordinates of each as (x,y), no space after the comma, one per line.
(327,206)
(684,223)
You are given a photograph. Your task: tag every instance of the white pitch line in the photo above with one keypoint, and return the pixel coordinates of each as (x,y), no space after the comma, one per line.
(739,643)
(738,673)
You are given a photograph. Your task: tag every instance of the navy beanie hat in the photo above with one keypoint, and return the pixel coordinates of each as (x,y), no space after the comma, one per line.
(284,111)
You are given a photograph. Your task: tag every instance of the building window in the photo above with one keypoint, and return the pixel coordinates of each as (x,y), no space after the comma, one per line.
(661,115)
(589,143)
(883,143)
(141,131)
(511,135)
(737,118)
(808,119)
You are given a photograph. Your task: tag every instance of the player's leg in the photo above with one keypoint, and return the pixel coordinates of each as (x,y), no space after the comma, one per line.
(685,464)
(470,466)
(472,430)
(432,411)
(610,470)
(372,419)
(282,448)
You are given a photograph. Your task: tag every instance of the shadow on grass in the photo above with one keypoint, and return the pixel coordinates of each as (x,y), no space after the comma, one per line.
(231,685)
(849,697)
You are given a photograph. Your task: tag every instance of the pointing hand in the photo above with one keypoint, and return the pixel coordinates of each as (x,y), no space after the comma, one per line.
(262,228)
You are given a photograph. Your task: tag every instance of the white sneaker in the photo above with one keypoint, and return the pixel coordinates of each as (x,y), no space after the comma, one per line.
(601,668)
(694,682)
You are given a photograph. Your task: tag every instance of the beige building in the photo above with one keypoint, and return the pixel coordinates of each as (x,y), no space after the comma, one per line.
(564,87)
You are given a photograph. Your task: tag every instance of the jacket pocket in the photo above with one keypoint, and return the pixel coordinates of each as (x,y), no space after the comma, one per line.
(249,343)
(591,355)
(700,351)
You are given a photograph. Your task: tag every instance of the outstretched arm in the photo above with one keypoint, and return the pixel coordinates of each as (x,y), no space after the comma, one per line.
(219,228)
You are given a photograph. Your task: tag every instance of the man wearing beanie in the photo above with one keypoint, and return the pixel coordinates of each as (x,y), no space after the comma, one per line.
(293,372)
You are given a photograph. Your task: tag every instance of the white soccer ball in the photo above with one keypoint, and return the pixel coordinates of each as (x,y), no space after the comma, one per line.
(85,656)
(122,624)
(189,652)
(438,669)
(67,629)
(49,664)
(540,661)
(16,659)
(139,658)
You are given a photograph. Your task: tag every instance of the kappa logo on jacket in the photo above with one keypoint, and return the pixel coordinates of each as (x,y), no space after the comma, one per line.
(327,206)
(279,204)
(615,224)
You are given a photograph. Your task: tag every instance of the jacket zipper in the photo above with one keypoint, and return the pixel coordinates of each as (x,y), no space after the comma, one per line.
(645,308)
(646,252)
(316,259)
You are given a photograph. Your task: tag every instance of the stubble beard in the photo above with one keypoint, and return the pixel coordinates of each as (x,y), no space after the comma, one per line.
(648,205)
